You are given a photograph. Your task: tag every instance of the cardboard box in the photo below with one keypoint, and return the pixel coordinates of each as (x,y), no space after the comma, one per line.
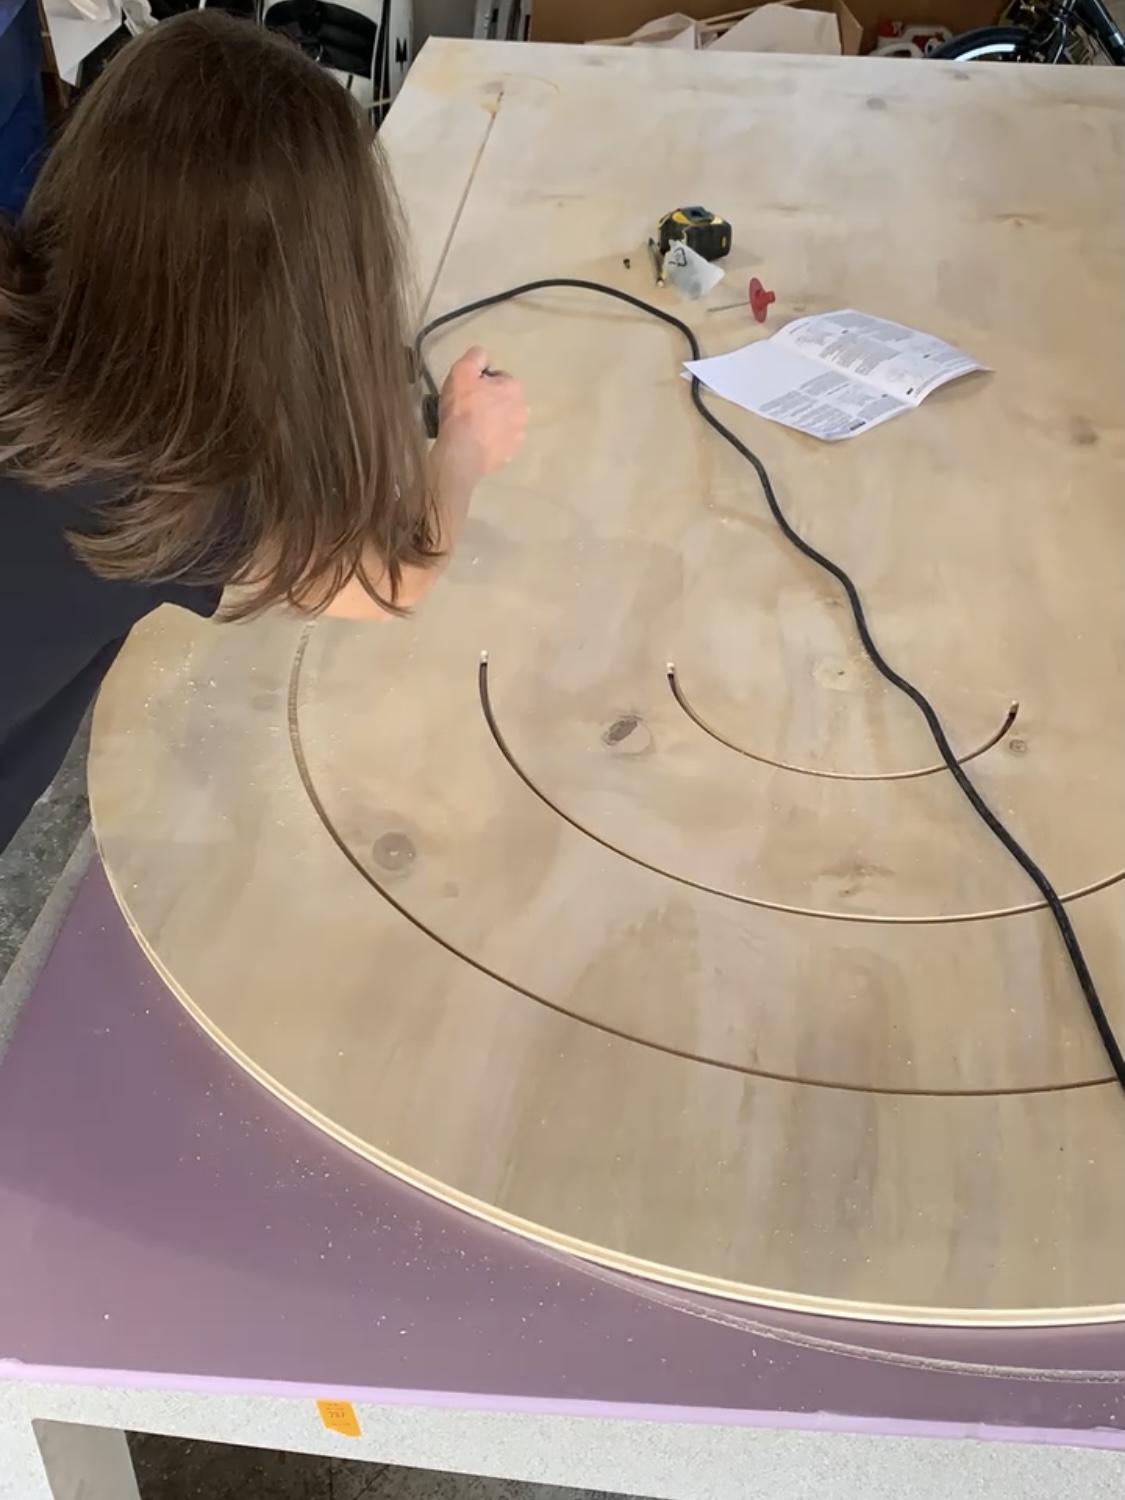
(958,15)
(587,20)
(675,30)
(594,20)
(823,28)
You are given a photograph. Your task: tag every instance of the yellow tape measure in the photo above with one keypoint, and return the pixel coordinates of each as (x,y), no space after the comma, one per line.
(698,228)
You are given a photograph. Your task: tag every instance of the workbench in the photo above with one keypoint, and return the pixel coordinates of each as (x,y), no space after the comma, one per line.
(740,1091)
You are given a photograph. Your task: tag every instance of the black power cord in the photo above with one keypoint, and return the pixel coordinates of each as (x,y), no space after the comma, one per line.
(933,723)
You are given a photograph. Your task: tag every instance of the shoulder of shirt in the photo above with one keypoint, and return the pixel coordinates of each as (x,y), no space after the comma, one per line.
(74,507)
(69,505)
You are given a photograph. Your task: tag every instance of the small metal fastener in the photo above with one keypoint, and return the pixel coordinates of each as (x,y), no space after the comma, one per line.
(657,261)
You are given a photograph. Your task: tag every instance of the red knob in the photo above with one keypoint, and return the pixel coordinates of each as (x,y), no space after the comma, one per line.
(760,300)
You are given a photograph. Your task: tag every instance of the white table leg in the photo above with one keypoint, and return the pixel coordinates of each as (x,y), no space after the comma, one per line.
(63,1461)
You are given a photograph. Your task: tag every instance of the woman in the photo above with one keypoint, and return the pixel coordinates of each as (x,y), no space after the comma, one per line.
(203,377)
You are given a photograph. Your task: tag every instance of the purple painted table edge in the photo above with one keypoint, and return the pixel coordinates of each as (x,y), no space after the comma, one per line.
(165,1222)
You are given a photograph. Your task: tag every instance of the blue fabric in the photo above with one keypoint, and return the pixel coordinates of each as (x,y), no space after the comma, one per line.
(23,132)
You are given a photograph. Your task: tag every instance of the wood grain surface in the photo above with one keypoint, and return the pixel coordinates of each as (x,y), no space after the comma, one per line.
(742,997)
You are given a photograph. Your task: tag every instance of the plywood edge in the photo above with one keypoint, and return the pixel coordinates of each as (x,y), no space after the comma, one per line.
(761,1296)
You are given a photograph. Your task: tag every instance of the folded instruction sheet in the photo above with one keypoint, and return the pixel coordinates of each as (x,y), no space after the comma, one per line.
(834,375)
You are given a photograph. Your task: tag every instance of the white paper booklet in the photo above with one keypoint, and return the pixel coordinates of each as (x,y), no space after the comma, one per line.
(834,375)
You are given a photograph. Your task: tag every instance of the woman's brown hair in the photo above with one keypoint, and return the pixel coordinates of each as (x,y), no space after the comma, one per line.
(203,304)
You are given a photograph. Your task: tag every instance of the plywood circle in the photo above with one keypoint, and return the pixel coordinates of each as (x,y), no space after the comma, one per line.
(707,973)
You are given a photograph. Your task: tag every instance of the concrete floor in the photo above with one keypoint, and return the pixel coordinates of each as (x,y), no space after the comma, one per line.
(171,1468)
(34,860)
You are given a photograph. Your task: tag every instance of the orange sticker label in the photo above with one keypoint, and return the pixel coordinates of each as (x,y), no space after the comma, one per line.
(339,1416)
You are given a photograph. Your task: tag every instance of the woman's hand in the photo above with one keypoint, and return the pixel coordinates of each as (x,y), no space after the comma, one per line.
(481,427)
(483,418)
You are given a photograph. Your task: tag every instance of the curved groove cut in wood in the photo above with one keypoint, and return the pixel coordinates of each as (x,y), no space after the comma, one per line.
(780,765)
(943,919)
(384,890)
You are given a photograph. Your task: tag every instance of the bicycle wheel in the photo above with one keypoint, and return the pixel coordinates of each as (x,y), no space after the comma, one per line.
(988,44)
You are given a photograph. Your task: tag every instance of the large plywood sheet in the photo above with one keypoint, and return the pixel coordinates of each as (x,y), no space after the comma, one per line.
(728,988)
